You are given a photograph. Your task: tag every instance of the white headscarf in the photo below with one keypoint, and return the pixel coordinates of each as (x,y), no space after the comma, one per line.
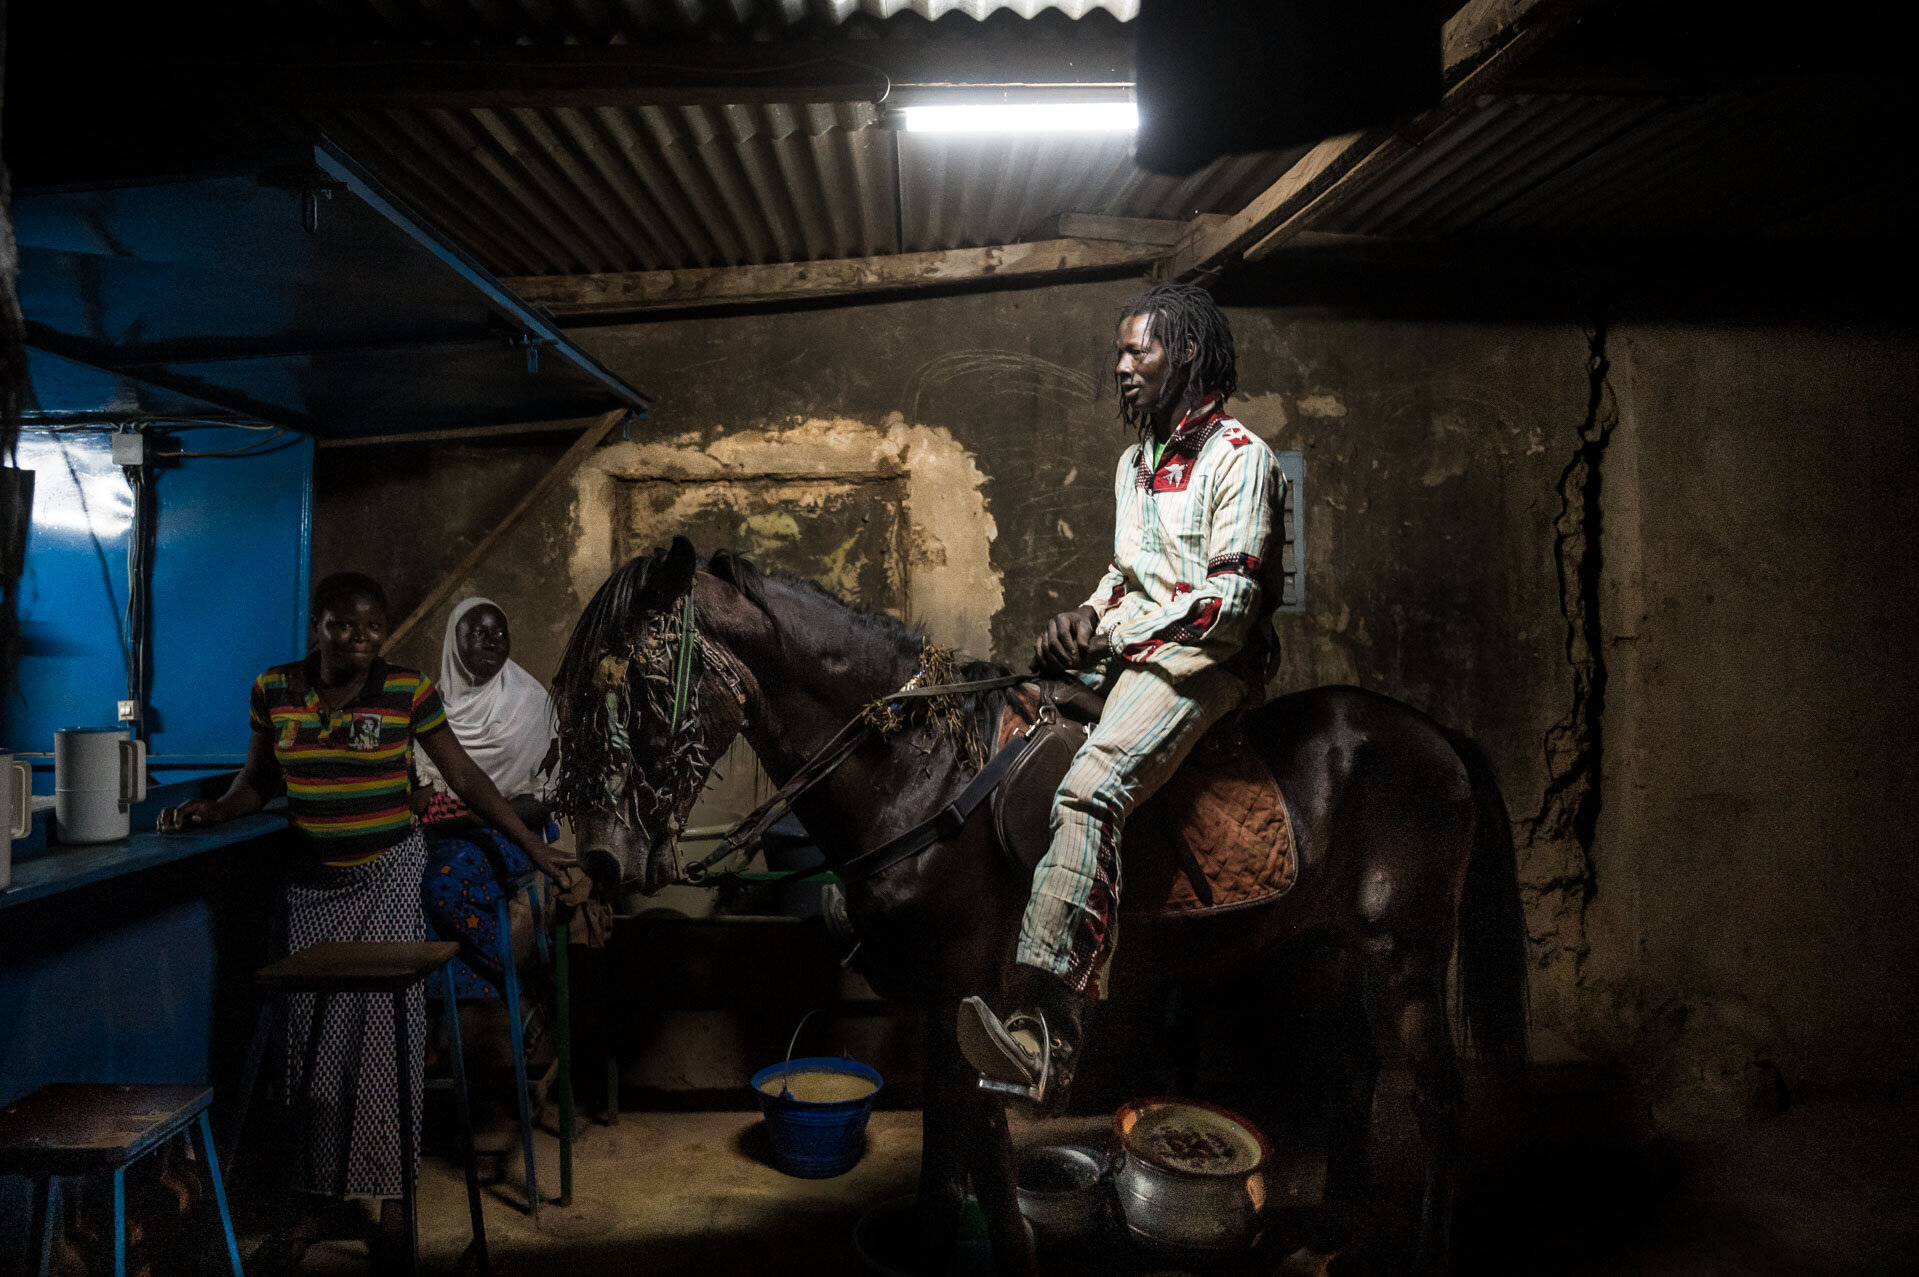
(505,724)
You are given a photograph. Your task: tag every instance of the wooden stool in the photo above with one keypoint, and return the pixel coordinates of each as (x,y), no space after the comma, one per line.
(73,1129)
(393,969)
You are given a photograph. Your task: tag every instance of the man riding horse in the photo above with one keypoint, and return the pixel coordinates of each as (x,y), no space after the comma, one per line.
(1173,636)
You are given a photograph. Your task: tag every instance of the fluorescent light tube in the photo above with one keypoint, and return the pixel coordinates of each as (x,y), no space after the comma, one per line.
(1032,117)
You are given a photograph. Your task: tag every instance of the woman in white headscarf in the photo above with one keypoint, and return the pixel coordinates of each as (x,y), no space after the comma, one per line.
(503,718)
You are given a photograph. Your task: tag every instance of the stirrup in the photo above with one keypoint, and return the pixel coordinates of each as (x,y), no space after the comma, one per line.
(975,1014)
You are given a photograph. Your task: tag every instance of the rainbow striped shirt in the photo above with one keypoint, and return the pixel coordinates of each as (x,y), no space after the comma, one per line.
(346,770)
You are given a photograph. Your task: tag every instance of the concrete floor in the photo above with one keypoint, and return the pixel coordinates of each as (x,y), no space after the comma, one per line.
(1826,1188)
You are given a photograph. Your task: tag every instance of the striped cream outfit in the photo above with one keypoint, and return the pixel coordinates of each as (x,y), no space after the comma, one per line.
(1180,605)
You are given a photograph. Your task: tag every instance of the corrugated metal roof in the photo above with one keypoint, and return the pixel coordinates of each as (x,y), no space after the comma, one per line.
(598,21)
(1581,165)
(587,190)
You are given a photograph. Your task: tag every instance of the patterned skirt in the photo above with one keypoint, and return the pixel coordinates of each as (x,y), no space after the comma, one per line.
(461,893)
(341,1071)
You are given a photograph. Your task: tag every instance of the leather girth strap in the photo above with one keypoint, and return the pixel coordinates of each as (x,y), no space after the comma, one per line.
(946,823)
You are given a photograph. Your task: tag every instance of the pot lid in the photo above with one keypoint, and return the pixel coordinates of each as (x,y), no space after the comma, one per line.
(1190,1138)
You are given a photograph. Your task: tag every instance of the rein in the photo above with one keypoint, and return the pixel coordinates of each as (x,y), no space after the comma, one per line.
(746,835)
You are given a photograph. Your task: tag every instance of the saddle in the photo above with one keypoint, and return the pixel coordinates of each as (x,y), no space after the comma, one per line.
(1221,819)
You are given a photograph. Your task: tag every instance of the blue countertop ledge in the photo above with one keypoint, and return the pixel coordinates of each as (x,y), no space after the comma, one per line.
(55,871)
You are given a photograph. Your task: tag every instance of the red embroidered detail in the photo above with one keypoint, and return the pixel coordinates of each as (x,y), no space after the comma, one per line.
(1232,565)
(1174,475)
(1119,592)
(1182,588)
(1207,612)
(1141,650)
(1237,436)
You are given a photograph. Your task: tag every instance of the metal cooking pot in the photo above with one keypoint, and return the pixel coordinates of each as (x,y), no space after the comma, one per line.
(1190,1177)
(1060,1191)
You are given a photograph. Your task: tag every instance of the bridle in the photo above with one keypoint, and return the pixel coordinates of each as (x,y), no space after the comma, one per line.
(745,835)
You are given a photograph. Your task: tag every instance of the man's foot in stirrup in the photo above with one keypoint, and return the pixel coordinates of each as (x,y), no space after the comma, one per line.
(1031,1053)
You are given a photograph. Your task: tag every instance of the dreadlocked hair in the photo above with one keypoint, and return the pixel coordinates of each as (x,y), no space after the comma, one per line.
(1180,315)
(618,676)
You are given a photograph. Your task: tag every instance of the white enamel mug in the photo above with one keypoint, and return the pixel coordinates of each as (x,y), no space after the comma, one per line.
(16,810)
(99,773)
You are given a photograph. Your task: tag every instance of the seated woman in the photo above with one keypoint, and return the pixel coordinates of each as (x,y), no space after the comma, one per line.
(503,718)
(336,731)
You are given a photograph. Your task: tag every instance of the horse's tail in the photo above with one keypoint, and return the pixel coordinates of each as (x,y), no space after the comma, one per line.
(1492,925)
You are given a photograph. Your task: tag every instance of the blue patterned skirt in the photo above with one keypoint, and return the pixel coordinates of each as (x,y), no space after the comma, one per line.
(461,892)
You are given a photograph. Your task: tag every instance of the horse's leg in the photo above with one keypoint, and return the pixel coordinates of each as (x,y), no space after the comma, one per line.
(1353,1078)
(1414,974)
(943,1136)
(995,1182)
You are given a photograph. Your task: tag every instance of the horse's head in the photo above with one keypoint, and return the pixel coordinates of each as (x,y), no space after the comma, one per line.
(644,708)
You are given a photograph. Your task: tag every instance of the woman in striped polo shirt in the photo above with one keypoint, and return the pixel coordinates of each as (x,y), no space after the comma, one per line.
(336,732)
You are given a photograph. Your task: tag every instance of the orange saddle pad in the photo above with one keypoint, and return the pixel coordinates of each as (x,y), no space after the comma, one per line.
(1231,816)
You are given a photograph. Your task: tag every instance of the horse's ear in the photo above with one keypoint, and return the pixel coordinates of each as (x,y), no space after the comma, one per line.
(730,567)
(676,568)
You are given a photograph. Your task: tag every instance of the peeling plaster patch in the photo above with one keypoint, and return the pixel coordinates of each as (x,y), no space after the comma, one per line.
(1441,470)
(1321,405)
(1265,416)
(957,598)
(1066,529)
(951,584)
(772,526)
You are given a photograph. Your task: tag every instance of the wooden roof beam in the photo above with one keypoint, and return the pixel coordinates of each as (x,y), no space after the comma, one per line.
(1481,43)
(572,296)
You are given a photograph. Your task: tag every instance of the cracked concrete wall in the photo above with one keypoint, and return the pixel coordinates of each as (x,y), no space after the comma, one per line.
(1707,867)
(1755,856)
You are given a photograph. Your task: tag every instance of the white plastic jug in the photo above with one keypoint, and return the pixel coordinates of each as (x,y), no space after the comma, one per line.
(98,774)
(16,811)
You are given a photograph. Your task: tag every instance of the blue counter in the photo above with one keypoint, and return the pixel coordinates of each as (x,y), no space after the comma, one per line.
(65,868)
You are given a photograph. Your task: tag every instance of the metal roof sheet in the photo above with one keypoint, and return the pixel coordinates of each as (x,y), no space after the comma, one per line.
(603,189)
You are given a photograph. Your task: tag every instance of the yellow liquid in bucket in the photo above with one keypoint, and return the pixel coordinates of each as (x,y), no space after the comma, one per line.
(819,1086)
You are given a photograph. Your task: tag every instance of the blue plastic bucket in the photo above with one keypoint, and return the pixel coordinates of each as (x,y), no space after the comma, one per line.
(815,1140)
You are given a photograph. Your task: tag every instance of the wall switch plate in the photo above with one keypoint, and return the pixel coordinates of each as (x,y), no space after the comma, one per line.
(129,448)
(129,711)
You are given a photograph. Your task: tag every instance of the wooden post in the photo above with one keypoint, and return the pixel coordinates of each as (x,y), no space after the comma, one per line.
(566,465)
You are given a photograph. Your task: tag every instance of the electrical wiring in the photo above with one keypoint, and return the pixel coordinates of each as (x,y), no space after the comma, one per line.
(246,449)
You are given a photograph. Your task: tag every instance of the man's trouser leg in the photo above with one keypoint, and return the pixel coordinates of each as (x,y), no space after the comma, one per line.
(1148,727)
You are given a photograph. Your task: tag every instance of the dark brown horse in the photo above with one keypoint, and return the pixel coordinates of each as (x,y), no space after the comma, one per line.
(1403,843)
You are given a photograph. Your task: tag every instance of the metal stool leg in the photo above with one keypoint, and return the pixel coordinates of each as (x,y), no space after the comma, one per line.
(457,1055)
(219,1192)
(249,1079)
(119,1221)
(516,1029)
(409,1145)
(563,1035)
(46,1221)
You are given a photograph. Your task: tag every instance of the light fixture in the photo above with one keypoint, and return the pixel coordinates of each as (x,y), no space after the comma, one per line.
(1029,117)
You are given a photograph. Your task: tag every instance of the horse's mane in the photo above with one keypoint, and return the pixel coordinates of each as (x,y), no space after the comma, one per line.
(608,620)
(904,641)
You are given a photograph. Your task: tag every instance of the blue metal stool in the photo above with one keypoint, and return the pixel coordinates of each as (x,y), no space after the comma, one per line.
(516,1017)
(363,967)
(71,1129)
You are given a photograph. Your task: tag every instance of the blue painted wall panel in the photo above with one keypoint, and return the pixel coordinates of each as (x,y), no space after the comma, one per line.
(228,596)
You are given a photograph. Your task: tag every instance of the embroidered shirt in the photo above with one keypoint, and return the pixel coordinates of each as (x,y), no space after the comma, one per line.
(1189,540)
(346,769)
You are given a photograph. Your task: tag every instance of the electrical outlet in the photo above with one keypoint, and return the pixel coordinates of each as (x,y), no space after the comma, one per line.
(129,448)
(129,711)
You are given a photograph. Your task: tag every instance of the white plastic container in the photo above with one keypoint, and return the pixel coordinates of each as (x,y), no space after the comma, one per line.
(99,773)
(16,811)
